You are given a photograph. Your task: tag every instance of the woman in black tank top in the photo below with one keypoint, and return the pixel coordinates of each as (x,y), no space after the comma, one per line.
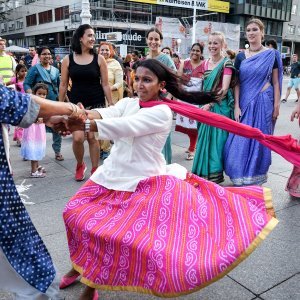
(89,76)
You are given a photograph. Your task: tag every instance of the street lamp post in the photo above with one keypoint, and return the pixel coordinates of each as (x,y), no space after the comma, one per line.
(178,45)
(85,12)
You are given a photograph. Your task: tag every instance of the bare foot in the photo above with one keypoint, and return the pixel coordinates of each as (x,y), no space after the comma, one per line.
(87,294)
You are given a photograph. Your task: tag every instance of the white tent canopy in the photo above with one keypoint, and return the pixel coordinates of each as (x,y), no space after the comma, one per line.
(16,49)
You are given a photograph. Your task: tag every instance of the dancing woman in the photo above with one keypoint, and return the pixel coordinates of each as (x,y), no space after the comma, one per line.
(140,225)
(257,101)
(219,74)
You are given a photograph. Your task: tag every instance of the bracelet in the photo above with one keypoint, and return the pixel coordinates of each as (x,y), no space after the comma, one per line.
(87,125)
(74,109)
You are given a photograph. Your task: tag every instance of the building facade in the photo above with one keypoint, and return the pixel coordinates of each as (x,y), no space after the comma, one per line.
(273,13)
(40,22)
(291,32)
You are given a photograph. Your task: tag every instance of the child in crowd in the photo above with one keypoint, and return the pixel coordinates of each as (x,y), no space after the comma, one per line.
(34,138)
(18,81)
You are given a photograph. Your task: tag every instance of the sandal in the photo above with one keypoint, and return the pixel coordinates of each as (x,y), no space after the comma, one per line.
(190,156)
(59,157)
(37,174)
(41,169)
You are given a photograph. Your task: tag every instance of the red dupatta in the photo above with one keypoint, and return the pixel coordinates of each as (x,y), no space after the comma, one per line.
(286,145)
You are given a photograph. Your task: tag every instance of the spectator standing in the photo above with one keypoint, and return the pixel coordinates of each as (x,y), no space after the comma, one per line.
(272,44)
(257,102)
(7,63)
(193,70)
(294,80)
(90,86)
(44,72)
(34,138)
(117,57)
(18,81)
(293,183)
(219,76)
(30,56)
(135,56)
(154,40)
(167,50)
(115,80)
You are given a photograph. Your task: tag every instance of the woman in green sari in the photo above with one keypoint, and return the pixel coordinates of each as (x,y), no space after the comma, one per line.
(219,74)
(154,39)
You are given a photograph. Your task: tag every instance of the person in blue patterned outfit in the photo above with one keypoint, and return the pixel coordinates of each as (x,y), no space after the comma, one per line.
(26,268)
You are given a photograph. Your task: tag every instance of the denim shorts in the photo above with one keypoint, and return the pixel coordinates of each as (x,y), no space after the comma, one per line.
(294,82)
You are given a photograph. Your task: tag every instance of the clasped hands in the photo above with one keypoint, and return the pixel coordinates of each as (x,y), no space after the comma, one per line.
(65,125)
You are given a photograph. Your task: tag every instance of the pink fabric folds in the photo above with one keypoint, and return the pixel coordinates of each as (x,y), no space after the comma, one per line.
(286,146)
(168,238)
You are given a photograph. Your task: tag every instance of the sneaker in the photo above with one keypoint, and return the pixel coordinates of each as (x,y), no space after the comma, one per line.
(37,174)
(80,170)
(283,100)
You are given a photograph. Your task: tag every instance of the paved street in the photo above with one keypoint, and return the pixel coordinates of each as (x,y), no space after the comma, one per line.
(271,272)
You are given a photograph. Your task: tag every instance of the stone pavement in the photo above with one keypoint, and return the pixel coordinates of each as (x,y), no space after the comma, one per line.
(271,272)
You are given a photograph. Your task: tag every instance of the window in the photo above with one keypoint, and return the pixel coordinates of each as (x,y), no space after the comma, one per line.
(19,24)
(294,9)
(298,30)
(45,17)
(11,25)
(31,20)
(61,13)
(3,27)
(291,29)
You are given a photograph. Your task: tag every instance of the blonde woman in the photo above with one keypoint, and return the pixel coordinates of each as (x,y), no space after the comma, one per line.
(218,75)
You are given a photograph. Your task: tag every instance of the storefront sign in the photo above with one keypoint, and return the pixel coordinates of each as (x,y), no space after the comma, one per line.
(210,5)
(121,36)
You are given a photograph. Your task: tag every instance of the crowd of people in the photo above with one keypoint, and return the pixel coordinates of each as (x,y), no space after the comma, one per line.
(124,225)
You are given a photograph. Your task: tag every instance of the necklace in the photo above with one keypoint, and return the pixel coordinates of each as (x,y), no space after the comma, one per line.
(256,50)
(215,62)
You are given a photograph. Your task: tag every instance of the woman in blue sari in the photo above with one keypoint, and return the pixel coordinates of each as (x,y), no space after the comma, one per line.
(257,99)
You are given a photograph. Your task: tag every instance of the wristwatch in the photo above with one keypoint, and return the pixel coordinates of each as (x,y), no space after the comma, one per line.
(87,125)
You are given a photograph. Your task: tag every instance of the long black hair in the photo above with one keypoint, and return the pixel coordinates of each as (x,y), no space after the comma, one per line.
(176,84)
(79,32)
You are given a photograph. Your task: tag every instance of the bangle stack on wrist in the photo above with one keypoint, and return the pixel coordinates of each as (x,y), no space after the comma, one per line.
(87,125)
(74,109)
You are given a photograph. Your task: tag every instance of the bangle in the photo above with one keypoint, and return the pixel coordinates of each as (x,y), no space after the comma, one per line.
(74,109)
(87,125)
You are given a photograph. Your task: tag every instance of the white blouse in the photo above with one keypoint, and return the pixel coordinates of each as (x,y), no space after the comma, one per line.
(139,135)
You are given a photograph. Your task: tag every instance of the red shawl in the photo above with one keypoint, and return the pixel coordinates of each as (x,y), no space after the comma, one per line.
(286,146)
